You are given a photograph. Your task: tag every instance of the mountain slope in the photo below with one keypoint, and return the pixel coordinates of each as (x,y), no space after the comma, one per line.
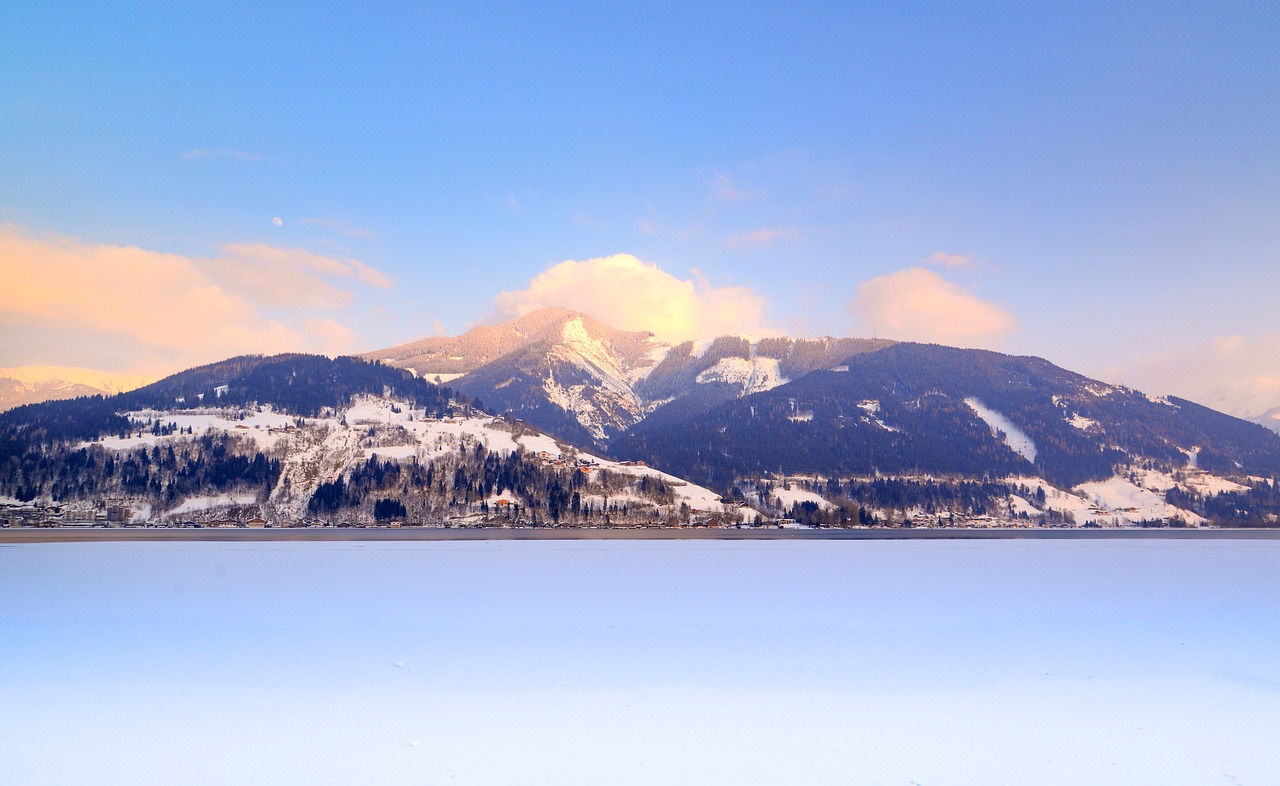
(558,369)
(292,436)
(905,435)
(581,379)
(931,409)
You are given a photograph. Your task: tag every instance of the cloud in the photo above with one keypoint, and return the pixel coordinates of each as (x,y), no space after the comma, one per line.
(631,294)
(66,302)
(759,238)
(943,259)
(1233,374)
(513,202)
(290,276)
(724,188)
(919,305)
(222,152)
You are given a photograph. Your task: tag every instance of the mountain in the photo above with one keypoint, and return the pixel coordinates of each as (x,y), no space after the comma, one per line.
(1270,419)
(295,437)
(563,419)
(579,378)
(902,430)
(33,384)
(914,410)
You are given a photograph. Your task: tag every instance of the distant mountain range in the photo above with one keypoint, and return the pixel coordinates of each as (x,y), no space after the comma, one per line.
(826,431)
(33,384)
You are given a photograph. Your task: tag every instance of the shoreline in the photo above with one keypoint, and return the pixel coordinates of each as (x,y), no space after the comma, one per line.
(20,535)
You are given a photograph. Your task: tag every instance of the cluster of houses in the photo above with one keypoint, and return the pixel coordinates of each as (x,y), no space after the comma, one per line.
(38,514)
(558,460)
(118,513)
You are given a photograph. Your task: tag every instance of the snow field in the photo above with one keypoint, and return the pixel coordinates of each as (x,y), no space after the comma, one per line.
(1017,439)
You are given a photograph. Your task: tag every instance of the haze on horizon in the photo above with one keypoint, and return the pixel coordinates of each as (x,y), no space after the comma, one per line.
(1091,184)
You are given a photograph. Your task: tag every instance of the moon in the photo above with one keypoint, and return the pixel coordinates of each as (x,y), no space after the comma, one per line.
(278,221)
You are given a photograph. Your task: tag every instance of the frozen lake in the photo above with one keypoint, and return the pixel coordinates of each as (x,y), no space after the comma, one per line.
(641,662)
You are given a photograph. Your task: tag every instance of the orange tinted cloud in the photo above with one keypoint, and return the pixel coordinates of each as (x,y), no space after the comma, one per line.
(147,310)
(919,305)
(631,294)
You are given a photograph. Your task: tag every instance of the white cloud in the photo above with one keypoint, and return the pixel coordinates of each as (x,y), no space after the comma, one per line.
(758,238)
(919,305)
(724,188)
(1233,374)
(65,302)
(631,294)
(943,259)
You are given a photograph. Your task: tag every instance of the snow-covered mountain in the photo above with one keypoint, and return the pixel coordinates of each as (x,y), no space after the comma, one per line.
(580,378)
(293,437)
(906,433)
(937,418)
(33,384)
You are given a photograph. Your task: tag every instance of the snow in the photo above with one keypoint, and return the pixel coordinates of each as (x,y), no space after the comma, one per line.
(697,497)
(1193,456)
(1082,510)
(700,347)
(978,662)
(1192,480)
(261,424)
(791,496)
(754,376)
(590,349)
(194,504)
(610,400)
(1083,423)
(1017,440)
(440,379)
(1161,400)
(536,443)
(657,353)
(1018,505)
(872,408)
(1127,501)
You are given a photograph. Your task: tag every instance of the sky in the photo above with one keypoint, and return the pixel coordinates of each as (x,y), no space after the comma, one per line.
(1093,183)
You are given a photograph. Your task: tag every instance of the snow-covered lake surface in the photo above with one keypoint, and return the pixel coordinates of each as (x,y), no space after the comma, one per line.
(669,662)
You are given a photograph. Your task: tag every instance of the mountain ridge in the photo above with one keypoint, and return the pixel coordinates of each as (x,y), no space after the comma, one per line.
(590,424)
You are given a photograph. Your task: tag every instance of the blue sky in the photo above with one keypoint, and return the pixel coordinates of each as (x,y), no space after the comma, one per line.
(1098,184)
